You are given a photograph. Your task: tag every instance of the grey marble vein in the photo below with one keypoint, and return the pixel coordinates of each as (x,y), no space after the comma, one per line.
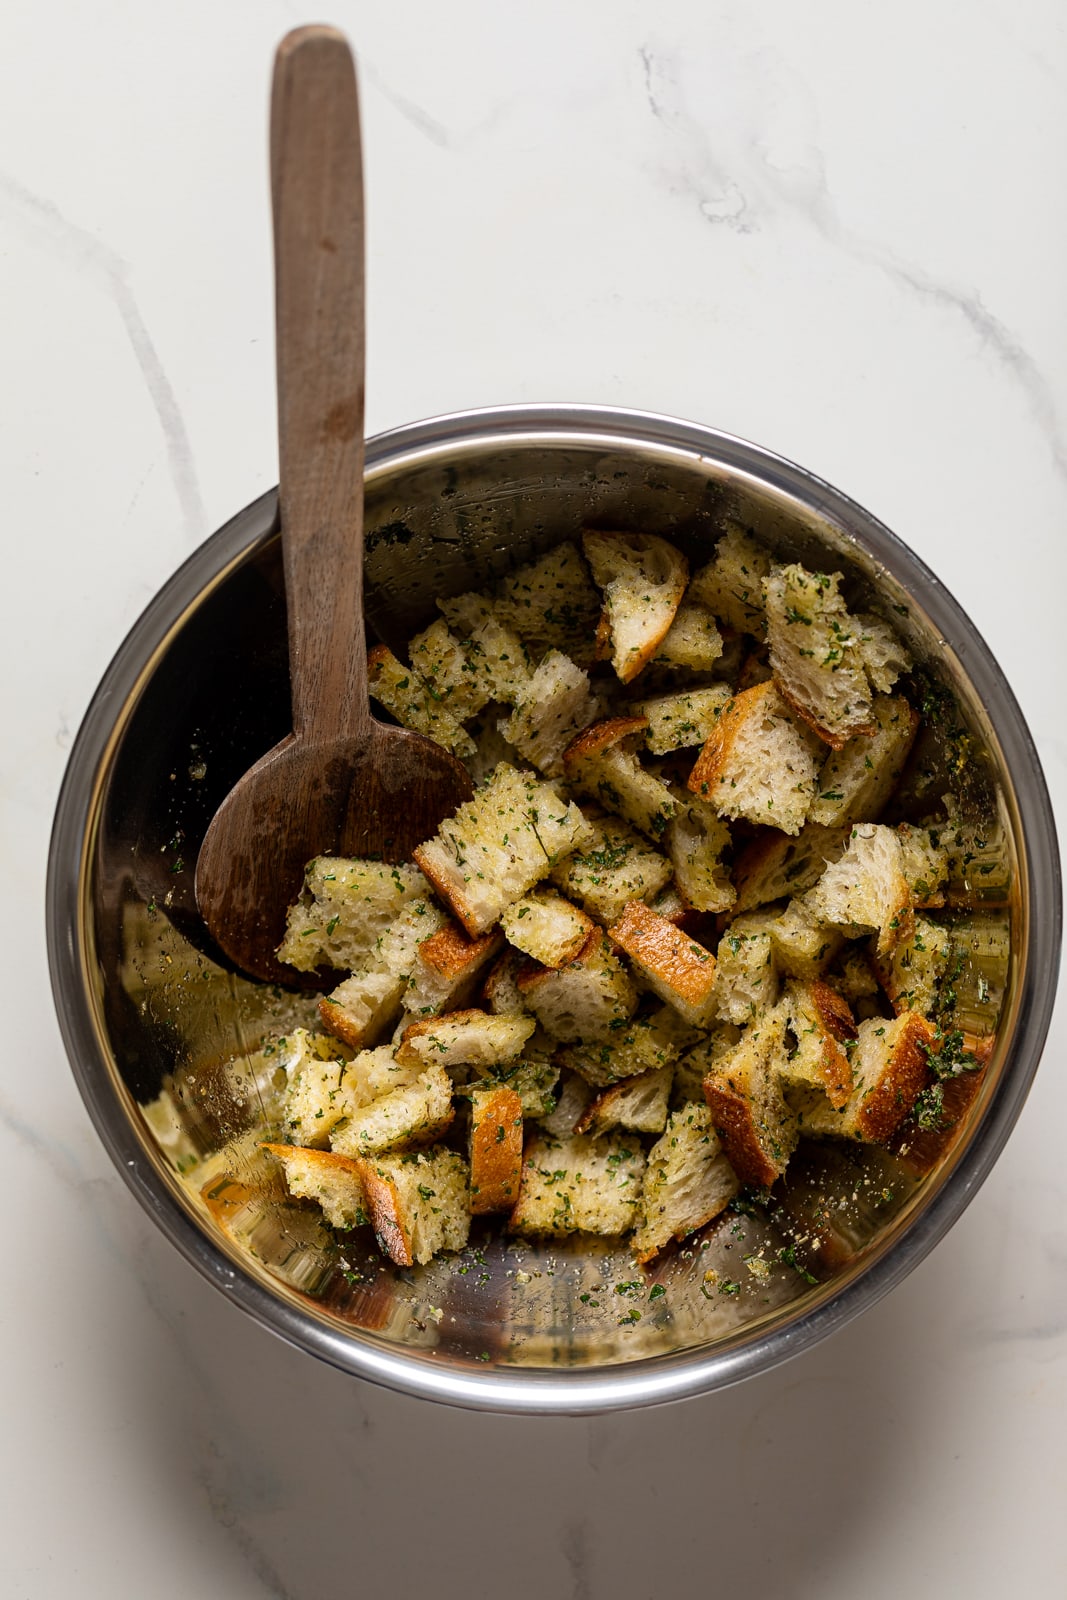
(419,119)
(574,1543)
(91,258)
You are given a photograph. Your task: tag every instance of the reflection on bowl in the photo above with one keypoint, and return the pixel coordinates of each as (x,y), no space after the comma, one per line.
(165,1040)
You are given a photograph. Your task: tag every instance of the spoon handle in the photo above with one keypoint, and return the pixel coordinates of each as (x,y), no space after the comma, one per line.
(317,188)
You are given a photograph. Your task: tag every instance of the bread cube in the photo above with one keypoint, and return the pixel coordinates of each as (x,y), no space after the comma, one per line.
(688,1181)
(579,1185)
(821,1022)
(673,965)
(731,584)
(551,604)
(550,710)
(602,764)
(574,1095)
(816,654)
(447,968)
(314,1098)
(344,908)
(647,1043)
(533,1078)
(546,927)
(697,841)
(866,890)
(418,1203)
(495,1150)
(415,1110)
(498,845)
(637,1103)
(464,1038)
(773,867)
(890,1065)
(453,670)
(332,1181)
(757,763)
(590,998)
(803,946)
(406,697)
(924,862)
(911,973)
(757,1127)
(884,657)
(746,974)
(498,658)
(856,781)
(642,579)
(363,1008)
(613,866)
(692,640)
(680,720)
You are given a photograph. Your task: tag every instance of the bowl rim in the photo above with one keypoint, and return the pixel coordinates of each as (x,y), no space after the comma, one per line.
(645,1381)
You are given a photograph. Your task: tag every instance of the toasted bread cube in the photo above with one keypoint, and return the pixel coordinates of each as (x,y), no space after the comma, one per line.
(452,669)
(497,656)
(612,867)
(688,1181)
(669,904)
(498,845)
(579,1185)
(574,1095)
(678,721)
(332,1180)
(546,927)
(601,764)
(464,1038)
(496,1150)
(911,974)
(406,697)
(447,968)
(673,965)
(418,1203)
(551,604)
(700,1059)
(757,1127)
(856,781)
(533,1079)
(490,746)
(501,994)
(925,865)
(697,840)
(314,1098)
(590,998)
(345,906)
(866,890)
(816,654)
(691,641)
(416,1111)
(803,946)
(884,657)
(773,867)
(757,764)
(550,711)
(821,1022)
(642,579)
(647,1043)
(363,1008)
(638,1103)
(746,974)
(890,1065)
(731,584)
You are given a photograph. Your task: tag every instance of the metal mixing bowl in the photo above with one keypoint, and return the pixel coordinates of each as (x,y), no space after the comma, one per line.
(199,689)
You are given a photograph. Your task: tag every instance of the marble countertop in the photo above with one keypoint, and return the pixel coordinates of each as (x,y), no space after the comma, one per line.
(837,230)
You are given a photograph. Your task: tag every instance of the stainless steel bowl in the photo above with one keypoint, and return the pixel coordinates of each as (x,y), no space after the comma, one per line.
(200,688)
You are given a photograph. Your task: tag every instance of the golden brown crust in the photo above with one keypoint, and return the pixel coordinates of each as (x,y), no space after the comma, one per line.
(717,748)
(666,952)
(531,973)
(887,1102)
(835,738)
(418,1030)
(734,1120)
(774,866)
(836,1024)
(496,1150)
(833,1011)
(383,1208)
(326,1161)
(453,953)
(600,736)
(333,1018)
(602,645)
(447,891)
(377,655)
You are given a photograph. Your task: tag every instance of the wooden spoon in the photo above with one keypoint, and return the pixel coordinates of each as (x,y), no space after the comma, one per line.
(342,783)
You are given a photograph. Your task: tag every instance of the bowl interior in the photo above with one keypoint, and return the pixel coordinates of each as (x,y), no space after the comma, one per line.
(205,692)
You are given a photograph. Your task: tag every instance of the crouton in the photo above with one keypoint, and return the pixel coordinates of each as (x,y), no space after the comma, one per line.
(803,946)
(816,654)
(546,927)
(363,1008)
(911,974)
(856,781)
(884,657)
(602,764)
(498,845)
(699,1059)
(612,867)
(574,1095)
(889,1068)
(697,840)
(590,998)
(647,1043)
(344,908)
(501,994)
(416,1110)
(757,763)
(419,1203)
(692,640)
(688,1181)
(731,584)
(773,867)
(551,604)
(681,720)
(669,904)
(404,695)
(452,669)
(674,966)
(550,711)
(866,890)
(642,579)
(332,1180)
(464,1038)
(315,1097)
(746,974)
(495,1150)
(447,968)
(533,1079)
(821,1022)
(579,1185)
(637,1103)
(497,657)
(743,1090)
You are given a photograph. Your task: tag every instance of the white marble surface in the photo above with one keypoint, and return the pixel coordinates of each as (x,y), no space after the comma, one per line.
(837,229)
